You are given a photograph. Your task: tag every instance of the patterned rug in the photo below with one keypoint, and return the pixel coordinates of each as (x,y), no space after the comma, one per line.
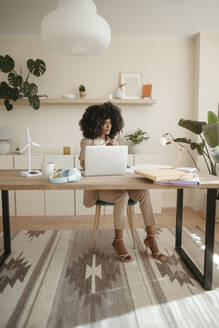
(54,279)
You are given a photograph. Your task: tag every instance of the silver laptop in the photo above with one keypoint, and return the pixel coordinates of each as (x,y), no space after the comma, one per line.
(105,160)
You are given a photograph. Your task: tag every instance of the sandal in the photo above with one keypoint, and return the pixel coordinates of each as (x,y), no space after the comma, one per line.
(125,258)
(157,255)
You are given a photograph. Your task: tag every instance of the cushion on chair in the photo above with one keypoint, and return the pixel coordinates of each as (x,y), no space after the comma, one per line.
(102,203)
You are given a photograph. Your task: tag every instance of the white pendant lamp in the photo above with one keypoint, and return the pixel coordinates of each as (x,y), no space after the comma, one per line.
(75,28)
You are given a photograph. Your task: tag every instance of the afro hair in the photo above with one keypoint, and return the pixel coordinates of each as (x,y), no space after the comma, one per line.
(95,117)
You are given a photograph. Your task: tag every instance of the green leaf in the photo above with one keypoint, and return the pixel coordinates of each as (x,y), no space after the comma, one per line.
(33,89)
(183,140)
(198,146)
(1,59)
(212,117)
(15,80)
(4,90)
(37,67)
(8,106)
(211,133)
(13,93)
(138,136)
(34,101)
(25,89)
(194,126)
(82,88)
(6,64)
(30,89)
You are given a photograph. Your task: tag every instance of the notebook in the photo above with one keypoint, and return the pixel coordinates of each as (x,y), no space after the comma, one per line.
(105,160)
(163,174)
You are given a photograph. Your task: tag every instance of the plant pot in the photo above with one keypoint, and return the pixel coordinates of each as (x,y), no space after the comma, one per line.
(136,148)
(4,147)
(82,94)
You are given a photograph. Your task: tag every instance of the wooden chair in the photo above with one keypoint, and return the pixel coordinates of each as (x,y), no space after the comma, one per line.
(100,203)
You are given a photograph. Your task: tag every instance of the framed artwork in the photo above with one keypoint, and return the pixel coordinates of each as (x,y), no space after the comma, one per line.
(132,85)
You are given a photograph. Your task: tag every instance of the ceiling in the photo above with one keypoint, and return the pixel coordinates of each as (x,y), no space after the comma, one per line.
(127,18)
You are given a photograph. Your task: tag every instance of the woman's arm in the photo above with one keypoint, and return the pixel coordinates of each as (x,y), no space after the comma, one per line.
(84,142)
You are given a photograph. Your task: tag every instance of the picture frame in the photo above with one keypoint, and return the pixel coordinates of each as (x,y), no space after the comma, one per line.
(132,85)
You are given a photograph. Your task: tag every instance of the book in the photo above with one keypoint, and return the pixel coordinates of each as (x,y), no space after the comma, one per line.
(146,90)
(157,174)
(192,182)
(169,176)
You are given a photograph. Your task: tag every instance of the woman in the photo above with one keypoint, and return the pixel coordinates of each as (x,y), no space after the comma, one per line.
(100,124)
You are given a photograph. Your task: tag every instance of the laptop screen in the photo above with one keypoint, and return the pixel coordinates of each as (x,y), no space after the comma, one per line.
(105,160)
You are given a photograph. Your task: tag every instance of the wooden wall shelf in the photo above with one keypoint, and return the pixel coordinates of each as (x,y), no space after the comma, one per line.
(86,101)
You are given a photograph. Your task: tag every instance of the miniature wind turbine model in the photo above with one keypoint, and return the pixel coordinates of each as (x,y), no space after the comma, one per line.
(28,145)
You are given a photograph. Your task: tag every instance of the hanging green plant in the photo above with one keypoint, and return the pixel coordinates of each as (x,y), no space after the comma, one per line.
(18,87)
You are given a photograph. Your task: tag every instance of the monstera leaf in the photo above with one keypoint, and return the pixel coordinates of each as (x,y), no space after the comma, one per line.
(18,86)
(37,67)
(194,126)
(30,89)
(13,93)
(8,105)
(6,64)
(4,90)
(210,132)
(15,80)
(34,101)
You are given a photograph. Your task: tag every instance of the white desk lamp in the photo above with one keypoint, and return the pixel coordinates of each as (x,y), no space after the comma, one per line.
(28,144)
(168,138)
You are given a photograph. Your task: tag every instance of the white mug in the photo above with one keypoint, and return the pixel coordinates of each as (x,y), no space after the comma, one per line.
(48,168)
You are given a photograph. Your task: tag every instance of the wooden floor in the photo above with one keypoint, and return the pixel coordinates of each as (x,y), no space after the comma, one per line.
(166,219)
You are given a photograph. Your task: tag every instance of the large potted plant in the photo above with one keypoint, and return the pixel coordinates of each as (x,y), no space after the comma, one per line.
(208,134)
(207,146)
(136,138)
(17,86)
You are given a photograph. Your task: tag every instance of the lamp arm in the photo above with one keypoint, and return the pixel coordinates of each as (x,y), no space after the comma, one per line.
(185,148)
(191,157)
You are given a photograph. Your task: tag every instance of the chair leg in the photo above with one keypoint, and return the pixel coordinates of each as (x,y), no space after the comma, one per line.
(96,224)
(130,219)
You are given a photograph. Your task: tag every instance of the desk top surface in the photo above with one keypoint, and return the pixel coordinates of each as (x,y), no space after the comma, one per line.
(11,180)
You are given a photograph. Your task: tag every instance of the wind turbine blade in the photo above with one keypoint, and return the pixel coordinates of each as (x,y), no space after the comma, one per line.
(35,144)
(27,144)
(28,134)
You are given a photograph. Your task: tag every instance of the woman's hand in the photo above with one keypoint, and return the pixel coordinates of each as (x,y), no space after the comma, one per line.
(109,142)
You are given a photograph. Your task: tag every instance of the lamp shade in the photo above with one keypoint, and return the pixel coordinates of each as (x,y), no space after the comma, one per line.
(75,28)
(163,141)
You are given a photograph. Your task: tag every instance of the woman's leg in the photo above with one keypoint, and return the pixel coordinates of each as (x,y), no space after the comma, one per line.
(120,199)
(144,199)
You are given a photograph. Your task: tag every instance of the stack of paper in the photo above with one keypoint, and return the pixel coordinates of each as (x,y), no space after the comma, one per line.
(180,177)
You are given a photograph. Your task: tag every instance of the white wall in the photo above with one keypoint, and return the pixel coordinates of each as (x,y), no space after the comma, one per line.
(167,64)
(207,89)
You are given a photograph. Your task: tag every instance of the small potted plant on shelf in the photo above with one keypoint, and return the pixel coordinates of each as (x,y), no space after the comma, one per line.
(136,138)
(17,86)
(82,91)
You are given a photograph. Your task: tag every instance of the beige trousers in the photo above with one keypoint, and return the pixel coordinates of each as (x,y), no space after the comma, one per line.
(120,199)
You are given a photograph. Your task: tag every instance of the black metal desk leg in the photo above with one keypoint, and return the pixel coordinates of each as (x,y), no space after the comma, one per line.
(179,212)
(209,237)
(6,226)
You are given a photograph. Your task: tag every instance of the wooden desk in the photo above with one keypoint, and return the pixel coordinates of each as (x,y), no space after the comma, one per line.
(11,180)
